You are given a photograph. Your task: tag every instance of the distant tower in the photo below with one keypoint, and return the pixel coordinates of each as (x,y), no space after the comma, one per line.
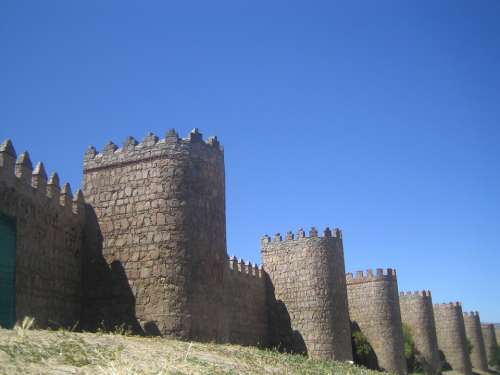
(490,339)
(307,275)
(418,314)
(374,307)
(452,341)
(160,209)
(475,336)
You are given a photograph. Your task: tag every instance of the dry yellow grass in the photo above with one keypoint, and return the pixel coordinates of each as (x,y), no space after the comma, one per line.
(27,351)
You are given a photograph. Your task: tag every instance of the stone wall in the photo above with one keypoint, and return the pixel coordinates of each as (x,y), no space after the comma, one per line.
(475,336)
(490,339)
(450,331)
(374,307)
(245,304)
(48,223)
(159,247)
(418,314)
(307,294)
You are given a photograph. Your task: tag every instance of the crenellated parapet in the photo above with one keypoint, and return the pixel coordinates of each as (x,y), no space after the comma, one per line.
(416,293)
(240,267)
(370,275)
(16,172)
(300,235)
(149,149)
(448,305)
(474,314)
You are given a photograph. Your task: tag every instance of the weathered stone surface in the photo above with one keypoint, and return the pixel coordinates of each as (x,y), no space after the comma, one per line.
(374,307)
(475,336)
(307,277)
(245,308)
(48,243)
(452,341)
(490,339)
(160,208)
(418,314)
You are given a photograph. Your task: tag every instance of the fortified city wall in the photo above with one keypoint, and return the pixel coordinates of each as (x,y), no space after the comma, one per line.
(452,341)
(374,307)
(475,336)
(46,259)
(147,249)
(418,314)
(308,293)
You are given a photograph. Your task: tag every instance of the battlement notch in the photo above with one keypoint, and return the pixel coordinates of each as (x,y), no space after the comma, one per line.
(417,293)
(19,173)
(241,267)
(369,275)
(149,148)
(301,235)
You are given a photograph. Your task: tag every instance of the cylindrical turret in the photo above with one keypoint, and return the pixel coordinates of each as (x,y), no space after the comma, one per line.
(160,210)
(418,314)
(452,341)
(307,276)
(490,339)
(374,307)
(475,335)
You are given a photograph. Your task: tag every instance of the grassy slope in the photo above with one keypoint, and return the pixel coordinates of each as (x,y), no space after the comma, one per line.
(61,352)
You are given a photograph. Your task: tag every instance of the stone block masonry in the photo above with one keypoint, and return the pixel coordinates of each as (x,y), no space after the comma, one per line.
(160,209)
(490,339)
(475,336)
(452,341)
(307,284)
(374,307)
(48,250)
(245,308)
(418,314)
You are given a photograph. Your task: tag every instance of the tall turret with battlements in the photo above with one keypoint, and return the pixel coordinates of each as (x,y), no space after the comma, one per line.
(474,333)
(374,308)
(306,274)
(160,209)
(452,341)
(418,314)
(490,339)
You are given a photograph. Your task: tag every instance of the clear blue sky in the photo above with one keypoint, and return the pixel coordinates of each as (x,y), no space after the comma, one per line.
(379,117)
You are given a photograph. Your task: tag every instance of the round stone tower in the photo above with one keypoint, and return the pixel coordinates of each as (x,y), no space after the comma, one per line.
(374,307)
(308,299)
(159,211)
(475,336)
(452,341)
(490,339)
(418,314)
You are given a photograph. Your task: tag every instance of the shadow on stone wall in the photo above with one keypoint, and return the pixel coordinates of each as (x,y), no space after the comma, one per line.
(281,335)
(445,366)
(107,300)
(362,352)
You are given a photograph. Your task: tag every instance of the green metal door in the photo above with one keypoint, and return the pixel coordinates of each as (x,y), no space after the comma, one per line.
(7,271)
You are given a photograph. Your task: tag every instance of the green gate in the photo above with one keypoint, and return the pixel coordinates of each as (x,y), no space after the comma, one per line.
(7,271)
